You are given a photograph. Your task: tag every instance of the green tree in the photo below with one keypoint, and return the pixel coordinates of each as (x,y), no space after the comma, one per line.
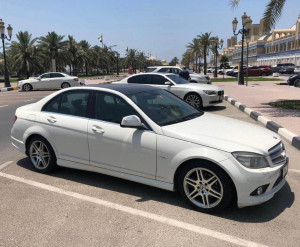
(205,42)
(131,58)
(272,11)
(224,62)
(174,61)
(27,57)
(195,48)
(187,58)
(56,48)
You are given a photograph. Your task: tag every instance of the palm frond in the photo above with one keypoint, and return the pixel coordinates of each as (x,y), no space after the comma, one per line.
(273,12)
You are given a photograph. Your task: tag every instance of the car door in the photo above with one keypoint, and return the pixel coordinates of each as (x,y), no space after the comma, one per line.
(44,82)
(56,80)
(126,150)
(159,81)
(65,120)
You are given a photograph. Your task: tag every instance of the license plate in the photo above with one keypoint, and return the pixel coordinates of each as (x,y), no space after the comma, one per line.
(284,170)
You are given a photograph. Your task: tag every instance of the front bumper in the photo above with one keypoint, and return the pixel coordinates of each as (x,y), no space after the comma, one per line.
(210,100)
(248,180)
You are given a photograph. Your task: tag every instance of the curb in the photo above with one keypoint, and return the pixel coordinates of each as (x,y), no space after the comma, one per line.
(280,83)
(6,89)
(287,135)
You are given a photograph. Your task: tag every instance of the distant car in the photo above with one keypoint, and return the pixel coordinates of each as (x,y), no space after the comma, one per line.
(196,94)
(53,80)
(284,68)
(211,70)
(224,71)
(231,71)
(294,80)
(297,70)
(194,78)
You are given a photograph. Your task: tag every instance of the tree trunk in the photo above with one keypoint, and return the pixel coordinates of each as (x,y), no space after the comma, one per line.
(204,61)
(196,63)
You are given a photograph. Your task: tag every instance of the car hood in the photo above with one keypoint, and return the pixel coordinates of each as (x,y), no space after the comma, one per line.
(198,86)
(223,133)
(28,81)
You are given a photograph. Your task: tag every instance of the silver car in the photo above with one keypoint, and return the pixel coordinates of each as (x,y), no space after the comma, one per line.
(196,94)
(194,78)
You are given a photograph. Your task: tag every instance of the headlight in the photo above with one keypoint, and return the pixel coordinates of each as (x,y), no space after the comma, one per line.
(251,160)
(209,92)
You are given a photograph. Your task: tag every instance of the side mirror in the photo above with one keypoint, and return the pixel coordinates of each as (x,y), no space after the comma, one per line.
(168,83)
(132,121)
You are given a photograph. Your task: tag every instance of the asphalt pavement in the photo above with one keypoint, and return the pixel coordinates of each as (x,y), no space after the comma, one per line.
(78,208)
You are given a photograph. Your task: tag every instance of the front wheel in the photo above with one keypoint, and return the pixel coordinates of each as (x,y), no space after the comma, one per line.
(65,85)
(297,83)
(27,87)
(206,187)
(194,100)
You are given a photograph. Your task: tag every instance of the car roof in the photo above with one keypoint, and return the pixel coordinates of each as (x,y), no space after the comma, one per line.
(164,66)
(126,89)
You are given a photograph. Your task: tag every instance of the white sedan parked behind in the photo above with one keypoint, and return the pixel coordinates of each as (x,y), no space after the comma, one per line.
(148,135)
(53,80)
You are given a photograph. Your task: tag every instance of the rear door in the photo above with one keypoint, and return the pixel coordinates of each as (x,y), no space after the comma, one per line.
(56,80)
(65,120)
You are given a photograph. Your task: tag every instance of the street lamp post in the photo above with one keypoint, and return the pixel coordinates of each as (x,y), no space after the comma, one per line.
(118,56)
(217,45)
(244,31)
(247,42)
(3,37)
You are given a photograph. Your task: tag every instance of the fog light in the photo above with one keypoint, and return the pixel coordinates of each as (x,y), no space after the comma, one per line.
(259,190)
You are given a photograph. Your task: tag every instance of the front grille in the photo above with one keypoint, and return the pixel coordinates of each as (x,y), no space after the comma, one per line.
(221,93)
(277,154)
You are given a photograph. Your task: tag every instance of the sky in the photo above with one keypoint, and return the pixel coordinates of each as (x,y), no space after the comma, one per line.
(161,28)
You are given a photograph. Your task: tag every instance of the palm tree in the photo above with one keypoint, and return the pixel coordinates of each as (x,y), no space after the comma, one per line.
(272,12)
(27,57)
(86,55)
(187,58)
(195,49)
(205,42)
(131,58)
(56,48)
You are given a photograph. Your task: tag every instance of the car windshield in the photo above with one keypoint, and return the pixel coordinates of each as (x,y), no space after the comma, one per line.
(150,69)
(163,107)
(178,79)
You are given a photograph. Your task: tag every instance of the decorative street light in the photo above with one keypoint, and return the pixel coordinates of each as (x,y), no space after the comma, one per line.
(3,37)
(249,22)
(244,31)
(217,45)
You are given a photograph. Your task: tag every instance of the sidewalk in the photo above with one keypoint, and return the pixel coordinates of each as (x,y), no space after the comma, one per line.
(257,96)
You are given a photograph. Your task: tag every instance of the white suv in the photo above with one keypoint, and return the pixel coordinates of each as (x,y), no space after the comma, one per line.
(194,78)
(196,94)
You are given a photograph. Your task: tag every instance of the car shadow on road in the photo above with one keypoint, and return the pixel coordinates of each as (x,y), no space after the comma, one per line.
(257,214)
(214,108)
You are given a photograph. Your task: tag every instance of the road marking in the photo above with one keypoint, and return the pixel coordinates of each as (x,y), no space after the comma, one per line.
(137,212)
(3,106)
(28,100)
(5,164)
(294,170)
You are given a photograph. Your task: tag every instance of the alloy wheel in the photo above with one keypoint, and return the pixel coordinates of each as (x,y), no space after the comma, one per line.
(193,100)
(26,87)
(297,83)
(39,155)
(203,188)
(65,85)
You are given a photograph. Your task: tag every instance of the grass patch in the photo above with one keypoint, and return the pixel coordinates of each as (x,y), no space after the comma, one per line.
(286,104)
(233,79)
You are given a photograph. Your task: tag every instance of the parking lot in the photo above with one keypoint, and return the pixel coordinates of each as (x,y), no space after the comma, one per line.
(78,208)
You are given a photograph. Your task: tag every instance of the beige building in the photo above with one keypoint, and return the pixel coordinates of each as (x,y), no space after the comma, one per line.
(265,48)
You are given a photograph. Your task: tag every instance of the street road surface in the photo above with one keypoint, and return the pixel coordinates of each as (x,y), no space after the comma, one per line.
(78,208)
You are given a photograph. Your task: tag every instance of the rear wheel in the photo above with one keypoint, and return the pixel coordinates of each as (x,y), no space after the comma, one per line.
(206,187)
(27,87)
(41,155)
(65,85)
(297,83)
(194,100)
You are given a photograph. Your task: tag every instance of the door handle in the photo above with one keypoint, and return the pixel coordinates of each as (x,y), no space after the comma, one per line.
(98,129)
(51,119)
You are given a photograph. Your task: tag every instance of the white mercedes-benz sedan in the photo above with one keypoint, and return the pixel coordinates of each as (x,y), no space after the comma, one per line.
(52,80)
(196,94)
(148,135)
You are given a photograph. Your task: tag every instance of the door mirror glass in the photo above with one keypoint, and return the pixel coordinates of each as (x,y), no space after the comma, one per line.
(132,121)
(168,83)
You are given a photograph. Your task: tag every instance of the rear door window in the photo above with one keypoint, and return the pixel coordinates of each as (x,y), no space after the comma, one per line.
(140,79)
(158,80)
(150,69)
(74,103)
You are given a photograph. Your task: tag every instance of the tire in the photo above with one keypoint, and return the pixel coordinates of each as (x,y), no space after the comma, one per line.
(297,83)
(27,87)
(221,73)
(41,155)
(65,85)
(194,100)
(209,186)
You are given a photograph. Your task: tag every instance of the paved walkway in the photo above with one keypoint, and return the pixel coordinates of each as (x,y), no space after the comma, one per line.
(257,96)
